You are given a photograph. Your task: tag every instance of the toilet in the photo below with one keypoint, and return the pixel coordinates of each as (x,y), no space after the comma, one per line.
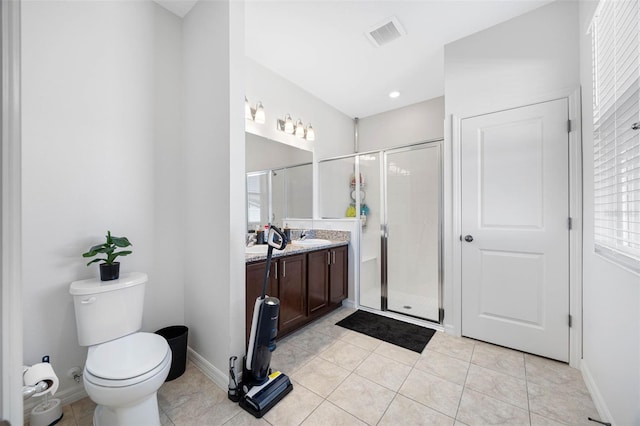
(125,367)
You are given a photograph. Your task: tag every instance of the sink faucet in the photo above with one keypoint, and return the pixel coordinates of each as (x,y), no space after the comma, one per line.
(250,239)
(303,235)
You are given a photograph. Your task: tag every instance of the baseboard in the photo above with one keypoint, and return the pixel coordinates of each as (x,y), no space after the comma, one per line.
(218,377)
(348,303)
(598,400)
(450,330)
(66,397)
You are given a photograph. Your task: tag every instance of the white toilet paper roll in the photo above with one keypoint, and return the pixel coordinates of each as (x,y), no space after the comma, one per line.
(39,372)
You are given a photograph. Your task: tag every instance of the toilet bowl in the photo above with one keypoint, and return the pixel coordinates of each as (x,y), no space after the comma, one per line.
(123,376)
(125,367)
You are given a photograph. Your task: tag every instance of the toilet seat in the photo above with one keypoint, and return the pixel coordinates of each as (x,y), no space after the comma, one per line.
(128,360)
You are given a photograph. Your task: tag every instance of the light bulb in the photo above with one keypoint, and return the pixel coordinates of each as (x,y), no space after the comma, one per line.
(247,110)
(299,129)
(310,134)
(259,117)
(288,125)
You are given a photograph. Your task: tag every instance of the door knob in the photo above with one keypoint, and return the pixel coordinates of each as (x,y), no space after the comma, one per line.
(468,238)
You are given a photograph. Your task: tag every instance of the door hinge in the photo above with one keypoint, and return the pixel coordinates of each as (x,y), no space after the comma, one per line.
(570,223)
(440,315)
(570,321)
(569,126)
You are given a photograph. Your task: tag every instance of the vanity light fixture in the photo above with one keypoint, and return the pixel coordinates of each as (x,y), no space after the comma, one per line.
(286,125)
(254,114)
(309,134)
(299,129)
(259,116)
(247,110)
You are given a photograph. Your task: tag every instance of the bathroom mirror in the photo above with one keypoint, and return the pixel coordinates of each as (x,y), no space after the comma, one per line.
(279,182)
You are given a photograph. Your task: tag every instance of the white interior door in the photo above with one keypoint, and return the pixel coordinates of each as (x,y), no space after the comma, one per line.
(515,236)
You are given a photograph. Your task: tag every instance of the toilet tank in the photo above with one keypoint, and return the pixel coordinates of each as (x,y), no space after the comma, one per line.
(107,310)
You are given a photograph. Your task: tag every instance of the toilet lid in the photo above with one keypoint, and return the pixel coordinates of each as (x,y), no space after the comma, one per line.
(127,357)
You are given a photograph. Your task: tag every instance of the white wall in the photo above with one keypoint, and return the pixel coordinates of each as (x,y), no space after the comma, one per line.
(528,59)
(333,129)
(611,294)
(168,173)
(214,181)
(91,137)
(403,126)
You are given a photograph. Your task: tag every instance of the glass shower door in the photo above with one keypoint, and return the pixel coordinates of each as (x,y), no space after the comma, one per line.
(412,188)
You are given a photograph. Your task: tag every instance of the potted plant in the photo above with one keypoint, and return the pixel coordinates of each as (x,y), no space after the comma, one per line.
(110,269)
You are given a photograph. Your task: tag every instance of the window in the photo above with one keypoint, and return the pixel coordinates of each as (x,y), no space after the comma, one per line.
(616,95)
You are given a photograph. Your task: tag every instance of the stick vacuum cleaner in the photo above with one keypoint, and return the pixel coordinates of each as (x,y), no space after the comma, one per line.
(260,388)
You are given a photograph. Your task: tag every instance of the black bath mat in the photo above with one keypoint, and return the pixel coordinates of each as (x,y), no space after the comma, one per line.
(408,336)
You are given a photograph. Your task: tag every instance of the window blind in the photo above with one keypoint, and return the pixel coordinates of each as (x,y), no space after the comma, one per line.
(616,82)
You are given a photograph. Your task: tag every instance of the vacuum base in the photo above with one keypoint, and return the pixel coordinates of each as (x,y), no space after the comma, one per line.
(258,404)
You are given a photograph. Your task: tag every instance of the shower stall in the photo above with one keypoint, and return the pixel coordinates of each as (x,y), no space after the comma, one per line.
(397,194)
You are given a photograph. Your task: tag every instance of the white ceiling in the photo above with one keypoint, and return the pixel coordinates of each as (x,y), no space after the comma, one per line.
(320,45)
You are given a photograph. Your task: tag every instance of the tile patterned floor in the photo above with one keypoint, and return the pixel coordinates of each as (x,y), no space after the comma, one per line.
(344,378)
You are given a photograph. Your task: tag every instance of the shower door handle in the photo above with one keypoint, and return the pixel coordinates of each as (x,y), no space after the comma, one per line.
(468,238)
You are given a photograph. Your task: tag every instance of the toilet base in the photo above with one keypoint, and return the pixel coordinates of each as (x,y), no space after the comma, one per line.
(144,412)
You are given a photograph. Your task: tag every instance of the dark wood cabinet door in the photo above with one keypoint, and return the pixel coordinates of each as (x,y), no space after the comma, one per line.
(292,279)
(338,274)
(254,280)
(318,280)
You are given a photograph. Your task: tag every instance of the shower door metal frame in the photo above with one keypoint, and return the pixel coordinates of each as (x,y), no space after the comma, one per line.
(384,228)
(384,234)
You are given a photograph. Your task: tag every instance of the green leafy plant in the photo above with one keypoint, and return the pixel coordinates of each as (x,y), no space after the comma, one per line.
(109,248)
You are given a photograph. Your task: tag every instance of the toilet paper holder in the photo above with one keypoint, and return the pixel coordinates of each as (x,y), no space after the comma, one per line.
(29,391)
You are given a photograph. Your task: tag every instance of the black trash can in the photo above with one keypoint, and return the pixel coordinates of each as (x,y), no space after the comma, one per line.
(176,336)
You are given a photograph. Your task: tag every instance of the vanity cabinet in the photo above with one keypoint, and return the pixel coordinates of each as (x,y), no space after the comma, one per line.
(327,279)
(318,281)
(308,284)
(338,279)
(292,286)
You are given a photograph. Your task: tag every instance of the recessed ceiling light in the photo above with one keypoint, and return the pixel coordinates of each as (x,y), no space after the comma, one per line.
(394,94)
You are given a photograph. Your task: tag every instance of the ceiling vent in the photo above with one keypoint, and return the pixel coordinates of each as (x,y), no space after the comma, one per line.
(385,32)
